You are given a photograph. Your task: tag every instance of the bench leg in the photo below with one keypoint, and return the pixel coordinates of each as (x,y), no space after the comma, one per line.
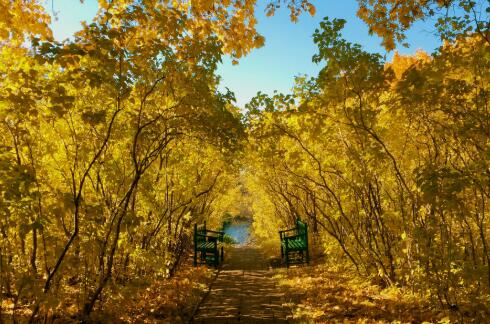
(287,256)
(216,258)
(222,254)
(307,257)
(195,257)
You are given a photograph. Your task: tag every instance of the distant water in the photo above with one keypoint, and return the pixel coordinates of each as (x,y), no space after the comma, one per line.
(240,231)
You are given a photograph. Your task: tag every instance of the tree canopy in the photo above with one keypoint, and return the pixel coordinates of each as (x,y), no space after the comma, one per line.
(115,142)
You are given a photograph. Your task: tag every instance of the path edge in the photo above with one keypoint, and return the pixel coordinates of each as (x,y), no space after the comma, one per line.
(198,305)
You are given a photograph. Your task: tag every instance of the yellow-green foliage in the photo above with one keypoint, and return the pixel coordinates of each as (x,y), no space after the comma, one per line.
(114,143)
(387,161)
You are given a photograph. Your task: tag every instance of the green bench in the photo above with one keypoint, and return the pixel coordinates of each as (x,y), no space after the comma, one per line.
(295,241)
(208,246)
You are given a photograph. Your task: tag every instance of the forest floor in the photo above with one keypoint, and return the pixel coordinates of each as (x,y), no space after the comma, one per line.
(248,289)
(245,291)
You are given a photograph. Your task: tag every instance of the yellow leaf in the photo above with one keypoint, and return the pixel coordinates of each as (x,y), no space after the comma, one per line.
(312,9)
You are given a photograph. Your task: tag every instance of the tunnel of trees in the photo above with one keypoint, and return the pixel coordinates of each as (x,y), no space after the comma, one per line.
(115,142)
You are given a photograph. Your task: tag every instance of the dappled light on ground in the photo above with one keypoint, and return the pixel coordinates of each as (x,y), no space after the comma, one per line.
(335,295)
(245,291)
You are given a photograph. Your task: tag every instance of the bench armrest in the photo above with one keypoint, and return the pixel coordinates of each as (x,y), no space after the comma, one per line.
(208,236)
(283,234)
(217,235)
(216,232)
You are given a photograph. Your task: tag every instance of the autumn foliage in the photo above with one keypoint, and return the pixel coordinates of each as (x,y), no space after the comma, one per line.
(388,161)
(115,142)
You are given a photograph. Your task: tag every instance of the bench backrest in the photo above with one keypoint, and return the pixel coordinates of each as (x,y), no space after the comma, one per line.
(200,232)
(301,228)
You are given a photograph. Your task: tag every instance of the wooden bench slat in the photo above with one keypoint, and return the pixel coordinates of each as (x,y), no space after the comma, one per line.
(295,243)
(208,244)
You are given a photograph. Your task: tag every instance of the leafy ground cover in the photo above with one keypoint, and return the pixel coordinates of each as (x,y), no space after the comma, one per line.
(163,300)
(331,294)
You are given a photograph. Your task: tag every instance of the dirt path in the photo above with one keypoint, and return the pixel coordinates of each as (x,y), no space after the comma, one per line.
(245,292)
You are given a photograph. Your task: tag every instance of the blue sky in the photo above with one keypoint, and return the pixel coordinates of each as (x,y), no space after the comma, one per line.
(288,48)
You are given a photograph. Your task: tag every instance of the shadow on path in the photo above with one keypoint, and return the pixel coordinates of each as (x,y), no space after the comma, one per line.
(245,292)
